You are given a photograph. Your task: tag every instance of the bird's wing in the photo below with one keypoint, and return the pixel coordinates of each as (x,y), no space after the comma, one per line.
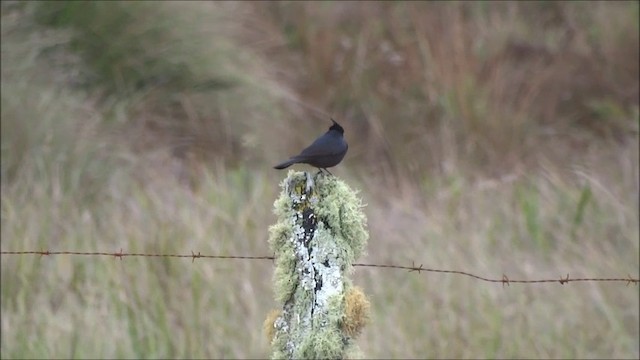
(320,147)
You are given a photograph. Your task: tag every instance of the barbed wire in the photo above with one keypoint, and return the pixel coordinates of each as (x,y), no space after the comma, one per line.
(505,280)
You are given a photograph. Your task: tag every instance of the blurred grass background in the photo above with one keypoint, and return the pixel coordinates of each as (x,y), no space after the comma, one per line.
(490,137)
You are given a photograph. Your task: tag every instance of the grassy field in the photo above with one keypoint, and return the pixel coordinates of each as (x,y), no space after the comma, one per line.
(488,137)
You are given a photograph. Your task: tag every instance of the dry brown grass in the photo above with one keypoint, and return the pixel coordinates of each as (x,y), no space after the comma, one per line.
(485,87)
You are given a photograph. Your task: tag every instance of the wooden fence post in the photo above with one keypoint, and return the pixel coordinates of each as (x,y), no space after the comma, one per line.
(321,230)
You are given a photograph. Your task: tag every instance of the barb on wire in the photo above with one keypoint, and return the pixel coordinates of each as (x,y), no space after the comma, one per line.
(413,268)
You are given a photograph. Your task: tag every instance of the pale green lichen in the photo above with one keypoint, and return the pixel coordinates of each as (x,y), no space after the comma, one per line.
(312,257)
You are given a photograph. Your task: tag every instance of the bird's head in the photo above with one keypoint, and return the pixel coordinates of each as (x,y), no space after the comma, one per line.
(336,127)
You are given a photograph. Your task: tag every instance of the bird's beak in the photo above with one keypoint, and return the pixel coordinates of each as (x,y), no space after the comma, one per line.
(334,122)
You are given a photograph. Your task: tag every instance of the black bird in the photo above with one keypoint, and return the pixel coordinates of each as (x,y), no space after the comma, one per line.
(327,151)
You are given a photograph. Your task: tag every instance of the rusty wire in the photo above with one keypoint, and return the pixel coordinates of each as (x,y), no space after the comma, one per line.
(504,280)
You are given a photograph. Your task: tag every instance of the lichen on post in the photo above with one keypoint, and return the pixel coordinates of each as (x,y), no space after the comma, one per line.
(321,230)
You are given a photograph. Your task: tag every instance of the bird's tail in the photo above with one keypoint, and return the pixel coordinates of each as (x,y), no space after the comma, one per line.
(285,164)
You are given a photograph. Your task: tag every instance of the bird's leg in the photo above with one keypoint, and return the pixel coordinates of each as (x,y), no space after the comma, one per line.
(327,171)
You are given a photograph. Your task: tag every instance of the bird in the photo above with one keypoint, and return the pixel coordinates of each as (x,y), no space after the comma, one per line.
(326,151)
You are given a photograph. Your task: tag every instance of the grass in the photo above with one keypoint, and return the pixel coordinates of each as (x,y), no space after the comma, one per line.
(465,163)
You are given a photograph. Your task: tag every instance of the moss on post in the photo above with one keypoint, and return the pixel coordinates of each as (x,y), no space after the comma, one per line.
(321,230)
